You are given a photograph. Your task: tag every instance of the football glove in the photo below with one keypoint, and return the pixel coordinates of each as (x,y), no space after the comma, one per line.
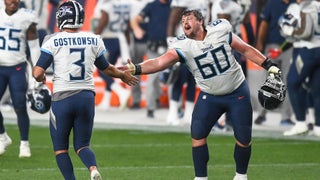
(271,67)
(135,69)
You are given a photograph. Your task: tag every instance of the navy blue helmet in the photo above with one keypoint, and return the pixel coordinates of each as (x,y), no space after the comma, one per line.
(40,99)
(272,93)
(70,14)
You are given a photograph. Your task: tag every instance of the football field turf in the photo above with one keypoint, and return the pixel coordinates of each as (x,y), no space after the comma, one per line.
(154,155)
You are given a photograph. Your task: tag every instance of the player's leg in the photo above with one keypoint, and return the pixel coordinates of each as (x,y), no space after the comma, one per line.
(175,95)
(82,129)
(240,113)
(315,91)
(5,140)
(61,123)
(113,47)
(299,70)
(18,89)
(151,95)
(190,97)
(206,112)
(285,108)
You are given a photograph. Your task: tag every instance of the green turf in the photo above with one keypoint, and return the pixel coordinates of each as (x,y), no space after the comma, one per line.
(142,155)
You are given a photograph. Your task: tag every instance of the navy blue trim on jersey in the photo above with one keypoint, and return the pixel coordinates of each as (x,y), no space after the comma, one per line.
(230,37)
(45,60)
(101,62)
(182,59)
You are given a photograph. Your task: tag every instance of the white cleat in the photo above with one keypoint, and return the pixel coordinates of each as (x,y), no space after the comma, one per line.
(201,178)
(240,177)
(95,175)
(5,141)
(316,131)
(297,129)
(24,150)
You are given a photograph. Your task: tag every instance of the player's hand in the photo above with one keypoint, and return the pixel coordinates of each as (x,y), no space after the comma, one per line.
(129,66)
(274,70)
(271,67)
(129,79)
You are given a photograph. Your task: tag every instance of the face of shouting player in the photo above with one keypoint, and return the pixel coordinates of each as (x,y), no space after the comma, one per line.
(192,27)
(11,6)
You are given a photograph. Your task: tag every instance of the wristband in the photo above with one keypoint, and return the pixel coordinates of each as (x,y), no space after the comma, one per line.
(267,64)
(138,69)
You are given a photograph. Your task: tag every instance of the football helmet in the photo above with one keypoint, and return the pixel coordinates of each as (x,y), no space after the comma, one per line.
(70,14)
(40,99)
(272,93)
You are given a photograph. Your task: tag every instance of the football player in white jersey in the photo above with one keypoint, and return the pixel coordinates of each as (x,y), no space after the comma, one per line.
(301,25)
(179,72)
(74,54)
(114,28)
(16,27)
(207,52)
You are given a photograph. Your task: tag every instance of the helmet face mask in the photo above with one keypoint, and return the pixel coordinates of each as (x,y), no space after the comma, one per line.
(40,99)
(70,14)
(272,93)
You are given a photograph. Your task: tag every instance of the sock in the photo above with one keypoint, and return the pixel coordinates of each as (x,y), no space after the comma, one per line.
(242,157)
(200,156)
(25,143)
(2,131)
(87,157)
(65,165)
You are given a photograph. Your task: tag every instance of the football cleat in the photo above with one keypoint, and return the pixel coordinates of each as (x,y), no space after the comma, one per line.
(297,129)
(95,175)
(24,150)
(5,141)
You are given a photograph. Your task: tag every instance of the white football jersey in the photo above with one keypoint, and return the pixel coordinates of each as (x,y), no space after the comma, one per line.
(211,61)
(74,55)
(231,8)
(119,12)
(13,35)
(312,9)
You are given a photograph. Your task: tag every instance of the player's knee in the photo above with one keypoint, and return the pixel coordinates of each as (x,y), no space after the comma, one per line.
(81,148)
(243,144)
(57,152)
(198,131)
(20,109)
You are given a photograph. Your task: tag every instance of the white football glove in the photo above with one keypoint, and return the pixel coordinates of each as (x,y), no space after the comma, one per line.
(131,67)
(274,70)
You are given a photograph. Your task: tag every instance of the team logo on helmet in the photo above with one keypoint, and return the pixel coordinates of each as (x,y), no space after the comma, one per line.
(272,93)
(40,99)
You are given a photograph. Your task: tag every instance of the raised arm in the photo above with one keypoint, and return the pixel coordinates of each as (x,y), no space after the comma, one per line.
(153,65)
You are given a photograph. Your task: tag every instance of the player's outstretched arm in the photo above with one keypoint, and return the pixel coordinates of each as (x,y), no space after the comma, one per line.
(150,66)
(125,75)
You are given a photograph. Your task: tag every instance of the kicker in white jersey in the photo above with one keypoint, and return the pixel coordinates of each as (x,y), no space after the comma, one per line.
(74,55)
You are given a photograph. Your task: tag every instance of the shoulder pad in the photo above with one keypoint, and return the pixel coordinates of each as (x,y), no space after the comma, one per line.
(181,37)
